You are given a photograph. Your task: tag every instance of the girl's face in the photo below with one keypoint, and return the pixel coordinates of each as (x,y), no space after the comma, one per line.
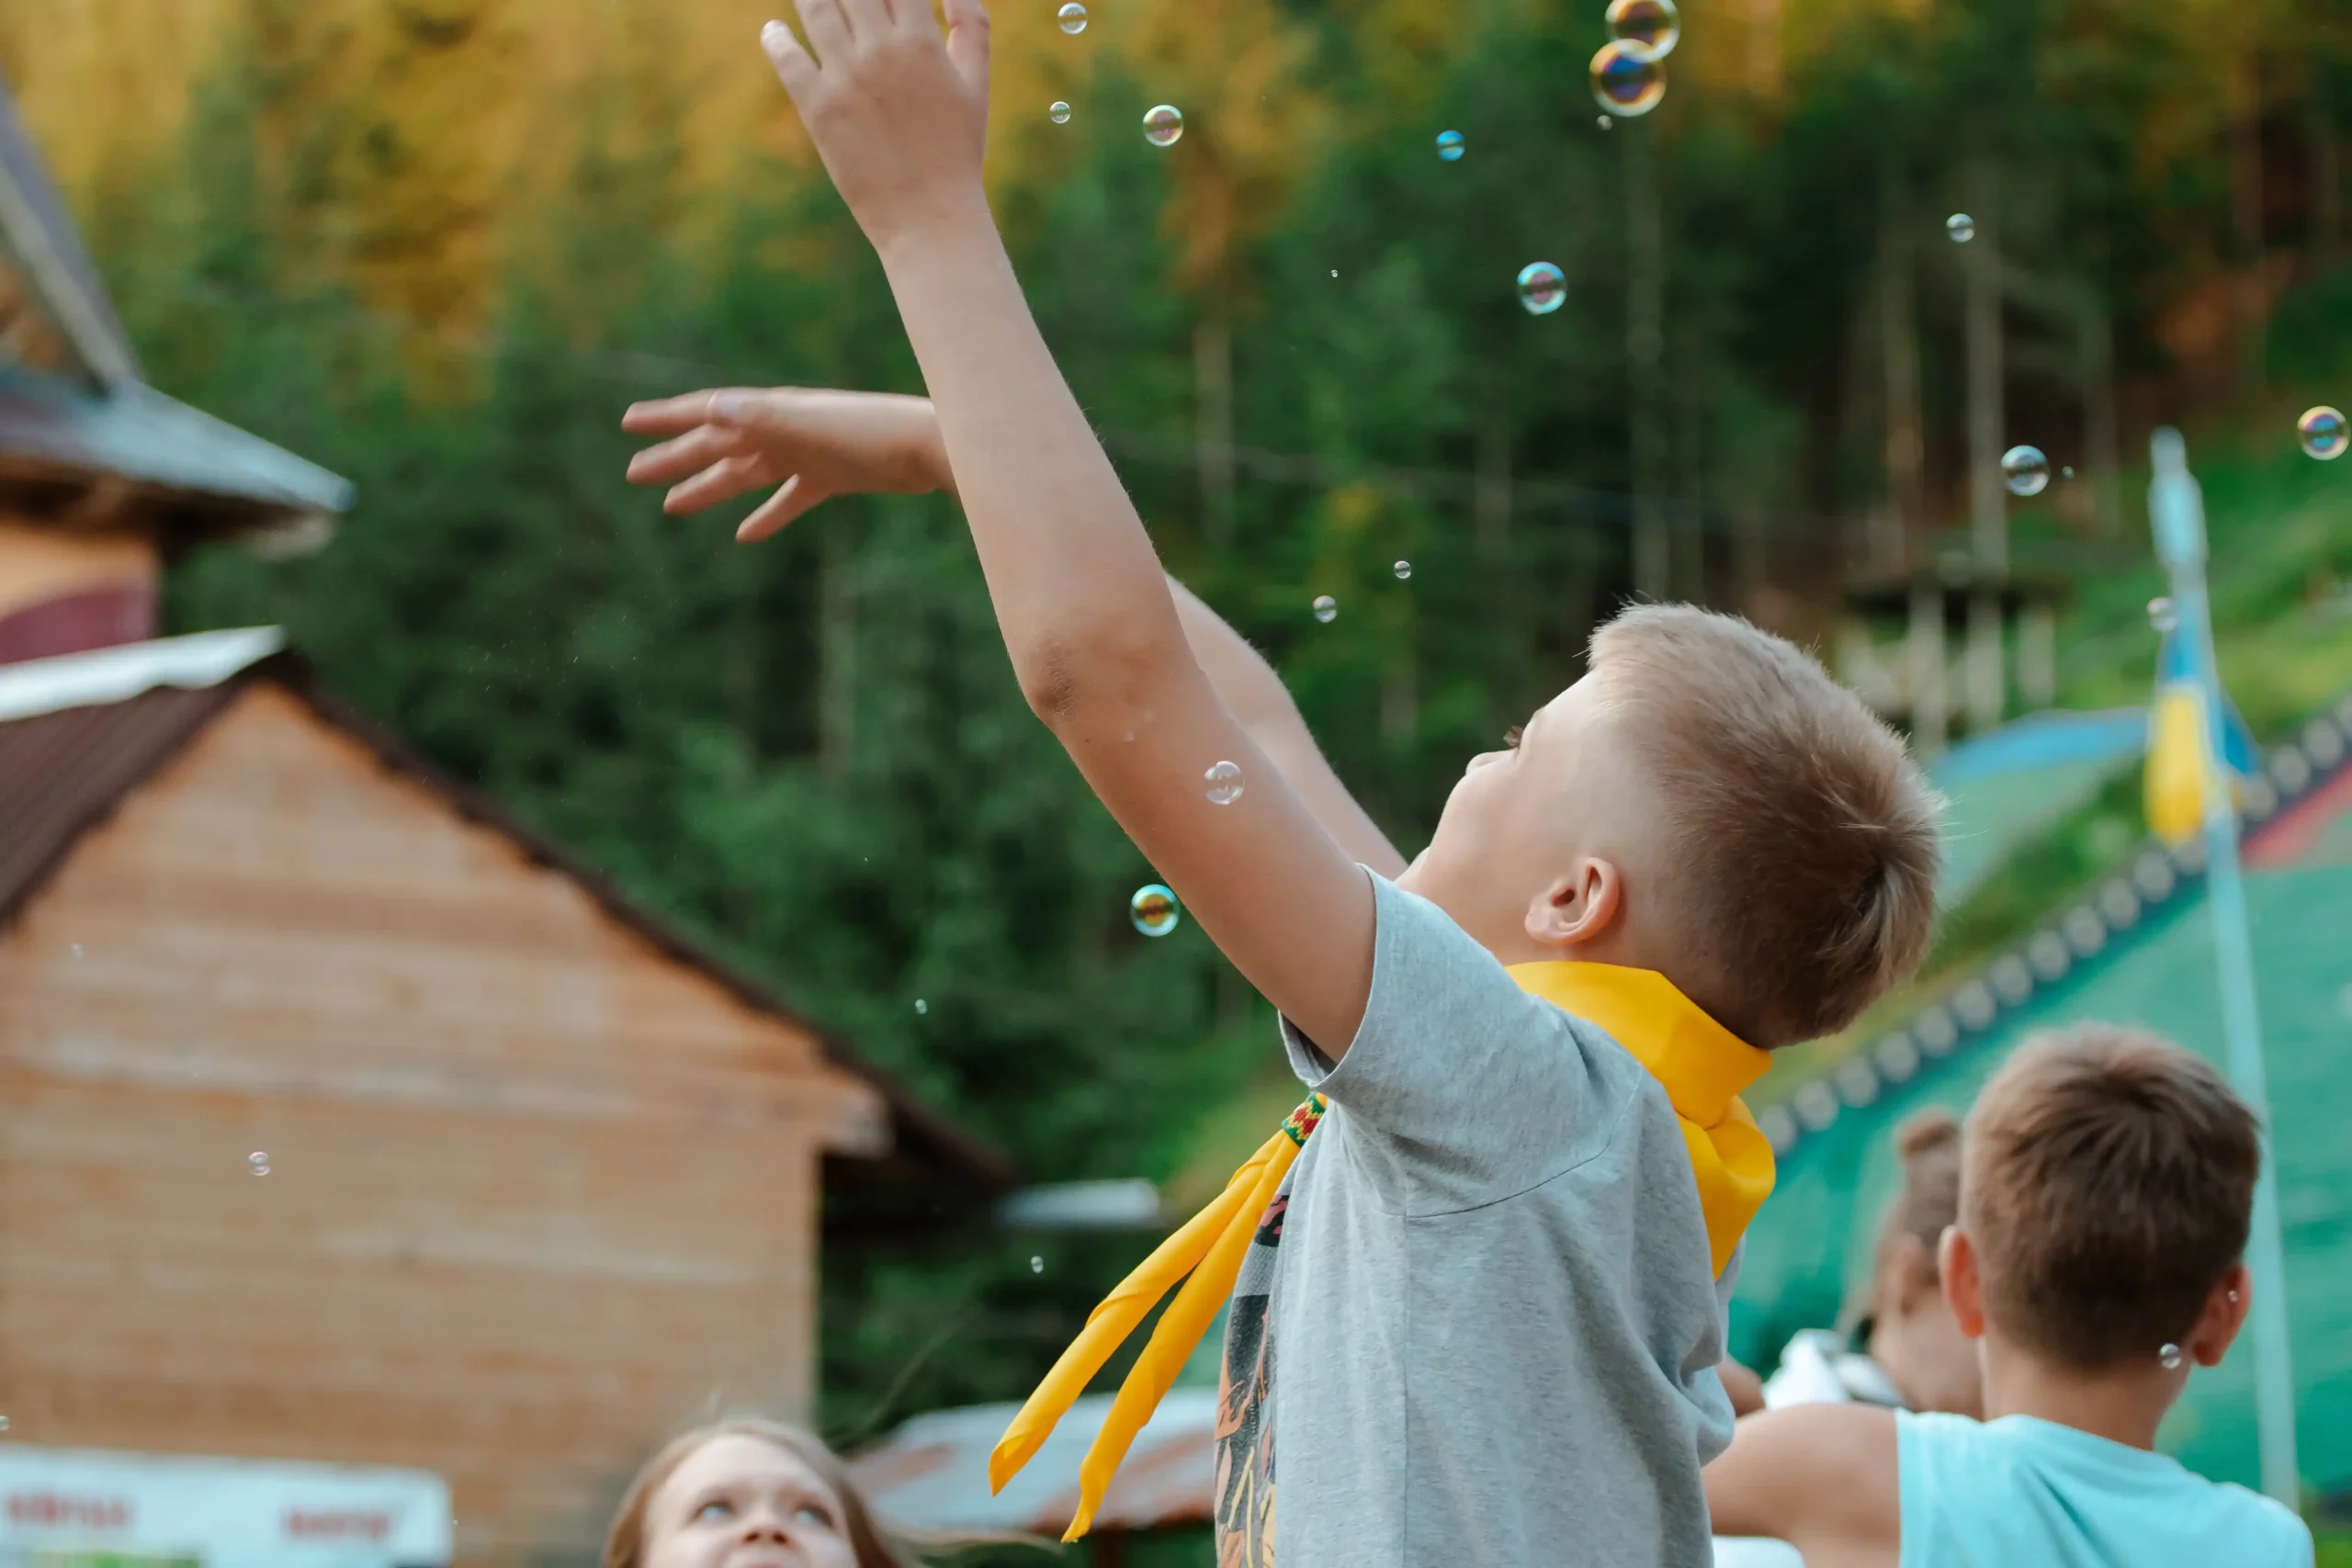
(742,1502)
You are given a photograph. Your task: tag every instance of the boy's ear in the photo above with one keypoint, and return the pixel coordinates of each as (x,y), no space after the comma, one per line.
(1963,1291)
(2224,1314)
(1580,907)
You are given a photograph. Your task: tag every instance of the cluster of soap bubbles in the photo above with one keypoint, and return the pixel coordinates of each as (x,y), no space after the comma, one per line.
(1629,74)
(1163,124)
(2322,433)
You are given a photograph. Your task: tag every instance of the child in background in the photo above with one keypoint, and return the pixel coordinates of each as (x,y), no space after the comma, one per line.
(1907,1352)
(1493,1276)
(2107,1187)
(742,1492)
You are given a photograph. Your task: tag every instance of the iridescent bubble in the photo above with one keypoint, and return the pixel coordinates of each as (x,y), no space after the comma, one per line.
(2169,1357)
(2067,472)
(2025,470)
(1153,909)
(75,951)
(1960,227)
(1036,1265)
(1058,112)
(1603,121)
(921,1006)
(1449,146)
(258,1163)
(1403,568)
(2323,433)
(1162,124)
(1624,82)
(1652,27)
(3,1423)
(1073,17)
(1541,287)
(2161,615)
(1224,780)
(1327,609)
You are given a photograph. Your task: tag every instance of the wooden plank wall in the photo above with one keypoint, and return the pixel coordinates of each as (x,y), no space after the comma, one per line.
(536,1193)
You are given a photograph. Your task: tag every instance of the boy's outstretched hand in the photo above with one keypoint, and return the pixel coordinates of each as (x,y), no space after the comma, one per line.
(812,445)
(898,115)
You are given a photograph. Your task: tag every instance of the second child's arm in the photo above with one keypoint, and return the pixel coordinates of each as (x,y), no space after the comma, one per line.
(810,444)
(1079,596)
(1822,1477)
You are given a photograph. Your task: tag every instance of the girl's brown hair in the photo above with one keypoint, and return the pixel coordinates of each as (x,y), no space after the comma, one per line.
(624,1542)
(1923,1207)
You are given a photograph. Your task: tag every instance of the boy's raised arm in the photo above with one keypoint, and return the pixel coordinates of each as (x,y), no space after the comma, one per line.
(1822,1477)
(1079,595)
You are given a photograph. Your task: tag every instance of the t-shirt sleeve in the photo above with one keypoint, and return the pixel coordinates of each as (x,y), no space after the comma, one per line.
(1459,1088)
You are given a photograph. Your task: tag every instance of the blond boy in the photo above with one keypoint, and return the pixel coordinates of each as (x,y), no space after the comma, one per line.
(1493,1282)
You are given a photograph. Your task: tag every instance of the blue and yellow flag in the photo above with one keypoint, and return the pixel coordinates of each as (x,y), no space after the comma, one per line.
(2177,718)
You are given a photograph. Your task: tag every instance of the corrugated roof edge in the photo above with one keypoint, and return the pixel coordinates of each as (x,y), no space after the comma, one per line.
(2094,925)
(991,1171)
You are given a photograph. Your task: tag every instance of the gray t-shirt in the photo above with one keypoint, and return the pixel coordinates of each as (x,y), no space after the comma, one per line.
(1479,1325)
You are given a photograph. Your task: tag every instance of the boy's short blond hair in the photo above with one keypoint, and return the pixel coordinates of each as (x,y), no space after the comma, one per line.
(2107,1182)
(1801,851)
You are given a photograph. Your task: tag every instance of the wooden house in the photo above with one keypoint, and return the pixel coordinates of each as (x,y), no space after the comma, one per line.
(344,1120)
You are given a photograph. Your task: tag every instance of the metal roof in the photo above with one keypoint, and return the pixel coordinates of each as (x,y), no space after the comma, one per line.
(132,431)
(932,1474)
(96,727)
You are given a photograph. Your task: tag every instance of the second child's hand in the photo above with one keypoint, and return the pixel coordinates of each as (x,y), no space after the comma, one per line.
(810,444)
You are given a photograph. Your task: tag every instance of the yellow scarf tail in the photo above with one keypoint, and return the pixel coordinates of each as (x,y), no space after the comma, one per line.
(1701,1064)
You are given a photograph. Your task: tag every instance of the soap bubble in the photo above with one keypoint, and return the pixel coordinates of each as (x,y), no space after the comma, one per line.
(1036,1264)
(1650,27)
(2025,470)
(1603,121)
(1403,568)
(1153,909)
(1073,17)
(75,951)
(1225,782)
(2169,1357)
(2161,615)
(1449,146)
(258,1163)
(1058,112)
(1624,82)
(921,1006)
(2067,472)
(1162,124)
(2322,433)
(1542,289)
(1960,227)
(1327,609)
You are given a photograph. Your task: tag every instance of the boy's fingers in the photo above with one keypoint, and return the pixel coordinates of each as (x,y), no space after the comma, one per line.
(967,40)
(667,416)
(793,65)
(689,453)
(720,481)
(791,498)
(829,33)
(867,18)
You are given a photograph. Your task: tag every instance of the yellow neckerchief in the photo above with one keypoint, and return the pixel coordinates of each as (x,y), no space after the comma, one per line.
(1701,1064)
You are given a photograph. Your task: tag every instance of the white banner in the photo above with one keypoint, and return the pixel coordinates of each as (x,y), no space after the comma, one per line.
(220,1513)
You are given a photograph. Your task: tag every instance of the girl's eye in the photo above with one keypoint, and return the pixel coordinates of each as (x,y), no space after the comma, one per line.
(816,1513)
(1511,736)
(713,1511)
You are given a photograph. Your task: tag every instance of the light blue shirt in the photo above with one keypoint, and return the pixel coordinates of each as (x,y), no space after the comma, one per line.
(2020,1491)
